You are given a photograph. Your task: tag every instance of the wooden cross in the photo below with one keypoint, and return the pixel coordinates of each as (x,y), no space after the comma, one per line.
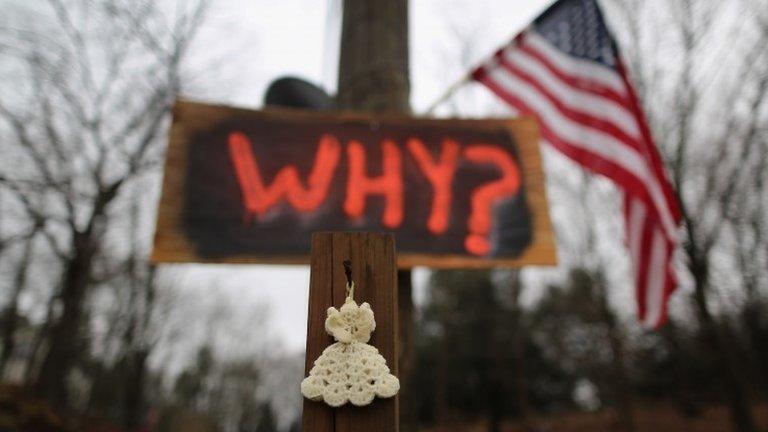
(374,270)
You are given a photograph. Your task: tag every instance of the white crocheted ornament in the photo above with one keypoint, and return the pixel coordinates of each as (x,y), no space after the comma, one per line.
(350,369)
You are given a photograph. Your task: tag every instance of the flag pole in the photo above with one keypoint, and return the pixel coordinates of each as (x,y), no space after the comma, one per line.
(448,93)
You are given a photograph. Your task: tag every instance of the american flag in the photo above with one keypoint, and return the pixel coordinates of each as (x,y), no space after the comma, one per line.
(565,70)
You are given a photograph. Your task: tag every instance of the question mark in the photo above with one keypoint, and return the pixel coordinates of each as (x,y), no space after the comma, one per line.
(485,196)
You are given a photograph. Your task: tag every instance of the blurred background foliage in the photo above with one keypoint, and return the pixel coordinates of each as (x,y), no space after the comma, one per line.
(94,338)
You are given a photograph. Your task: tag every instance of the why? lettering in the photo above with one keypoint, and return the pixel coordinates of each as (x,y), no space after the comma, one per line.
(259,196)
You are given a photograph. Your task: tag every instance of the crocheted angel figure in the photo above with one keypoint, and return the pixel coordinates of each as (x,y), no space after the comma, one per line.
(350,369)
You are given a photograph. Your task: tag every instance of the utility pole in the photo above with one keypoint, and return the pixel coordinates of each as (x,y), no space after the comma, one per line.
(373,65)
(374,77)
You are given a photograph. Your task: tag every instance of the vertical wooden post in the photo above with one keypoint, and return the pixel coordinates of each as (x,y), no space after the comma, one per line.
(373,62)
(375,274)
(374,77)
(406,352)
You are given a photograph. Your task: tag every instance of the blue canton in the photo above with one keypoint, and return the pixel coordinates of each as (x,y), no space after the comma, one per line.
(576,27)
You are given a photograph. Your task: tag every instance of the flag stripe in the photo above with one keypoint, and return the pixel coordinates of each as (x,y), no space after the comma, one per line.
(627,103)
(565,71)
(576,152)
(579,106)
(581,83)
(582,136)
(582,71)
(597,163)
(649,149)
(634,217)
(670,285)
(643,233)
(635,221)
(654,289)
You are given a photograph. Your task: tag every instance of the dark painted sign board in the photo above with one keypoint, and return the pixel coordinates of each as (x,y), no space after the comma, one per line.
(251,186)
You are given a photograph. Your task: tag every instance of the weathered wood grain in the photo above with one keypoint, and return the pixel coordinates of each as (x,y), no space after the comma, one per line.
(374,272)
(316,416)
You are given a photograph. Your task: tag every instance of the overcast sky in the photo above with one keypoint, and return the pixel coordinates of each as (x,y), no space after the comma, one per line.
(248,43)
(267,39)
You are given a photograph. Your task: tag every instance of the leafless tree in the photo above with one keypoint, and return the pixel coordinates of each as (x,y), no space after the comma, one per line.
(705,92)
(10,314)
(97,80)
(597,264)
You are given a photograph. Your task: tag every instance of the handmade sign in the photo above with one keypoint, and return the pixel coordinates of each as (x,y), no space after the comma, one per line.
(350,370)
(250,186)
